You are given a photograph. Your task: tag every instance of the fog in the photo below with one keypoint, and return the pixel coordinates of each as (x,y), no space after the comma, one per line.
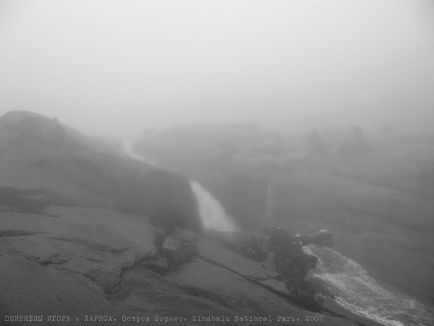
(115,68)
(258,161)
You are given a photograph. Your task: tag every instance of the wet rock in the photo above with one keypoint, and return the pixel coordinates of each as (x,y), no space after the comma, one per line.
(253,247)
(92,261)
(165,197)
(31,201)
(179,248)
(27,287)
(159,265)
(94,243)
(293,264)
(216,254)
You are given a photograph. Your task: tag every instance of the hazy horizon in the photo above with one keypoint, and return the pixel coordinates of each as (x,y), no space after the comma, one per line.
(116,68)
(204,161)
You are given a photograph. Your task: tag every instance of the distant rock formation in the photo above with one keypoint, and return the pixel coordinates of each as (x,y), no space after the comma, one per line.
(119,246)
(41,153)
(355,145)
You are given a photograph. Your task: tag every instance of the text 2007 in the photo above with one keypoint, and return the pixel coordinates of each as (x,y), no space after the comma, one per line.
(315,317)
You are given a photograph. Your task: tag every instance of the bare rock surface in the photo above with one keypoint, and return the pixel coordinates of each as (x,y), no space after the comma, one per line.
(87,261)
(95,243)
(28,287)
(179,248)
(219,255)
(241,295)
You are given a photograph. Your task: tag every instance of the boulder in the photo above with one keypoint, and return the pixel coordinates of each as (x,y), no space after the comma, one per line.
(293,264)
(179,248)
(254,248)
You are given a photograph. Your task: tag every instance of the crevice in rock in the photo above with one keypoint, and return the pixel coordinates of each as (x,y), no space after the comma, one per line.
(250,279)
(158,264)
(55,259)
(17,253)
(277,278)
(92,259)
(137,262)
(276,292)
(210,261)
(92,245)
(16,233)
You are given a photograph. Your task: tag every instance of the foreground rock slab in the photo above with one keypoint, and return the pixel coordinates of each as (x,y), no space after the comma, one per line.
(85,261)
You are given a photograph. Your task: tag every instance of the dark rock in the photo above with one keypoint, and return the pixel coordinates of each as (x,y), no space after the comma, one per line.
(164,196)
(179,248)
(24,200)
(159,265)
(321,238)
(254,248)
(293,264)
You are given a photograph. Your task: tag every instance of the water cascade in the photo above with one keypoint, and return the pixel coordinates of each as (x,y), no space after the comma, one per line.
(129,150)
(211,211)
(361,294)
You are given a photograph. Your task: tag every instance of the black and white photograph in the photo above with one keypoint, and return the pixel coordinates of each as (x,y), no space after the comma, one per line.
(217,162)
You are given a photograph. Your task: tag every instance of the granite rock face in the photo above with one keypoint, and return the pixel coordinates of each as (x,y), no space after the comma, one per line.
(44,162)
(84,230)
(179,248)
(85,261)
(94,243)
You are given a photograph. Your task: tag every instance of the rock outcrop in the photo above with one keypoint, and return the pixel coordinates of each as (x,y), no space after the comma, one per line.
(125,243)
(42,155)
(86,261)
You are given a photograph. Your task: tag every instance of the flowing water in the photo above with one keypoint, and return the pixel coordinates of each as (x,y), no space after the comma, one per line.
(359,293)
(129,150)
(345,279)
(211,211)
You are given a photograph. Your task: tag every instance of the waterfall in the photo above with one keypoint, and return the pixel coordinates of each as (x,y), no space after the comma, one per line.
(356,291)
(211,211)
(129,150)
(269,206)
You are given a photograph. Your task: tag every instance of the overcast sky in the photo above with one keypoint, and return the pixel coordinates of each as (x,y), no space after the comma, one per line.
(117,67)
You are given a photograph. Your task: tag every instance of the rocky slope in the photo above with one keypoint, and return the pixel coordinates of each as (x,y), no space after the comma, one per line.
(87,232)
(376,203)
(37,153)
(82,261)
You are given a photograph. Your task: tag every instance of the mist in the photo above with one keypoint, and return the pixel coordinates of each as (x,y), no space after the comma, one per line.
(200,161)
(116,68)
